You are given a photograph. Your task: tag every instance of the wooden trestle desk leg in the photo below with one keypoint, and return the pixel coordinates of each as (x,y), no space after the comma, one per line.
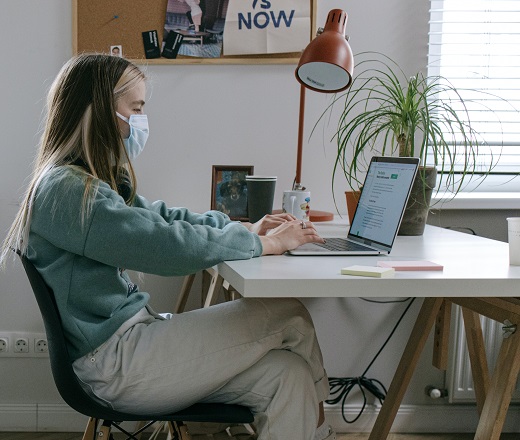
(477,356)
(500,389)
(185,292)
(442,336)
(406,367)
(211,285)
(213,291)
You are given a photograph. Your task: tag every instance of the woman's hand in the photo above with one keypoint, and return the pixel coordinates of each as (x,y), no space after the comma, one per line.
(268,222)
(289,235)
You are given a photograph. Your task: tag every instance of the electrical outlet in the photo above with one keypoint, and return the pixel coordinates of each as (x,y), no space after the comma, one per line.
(21,345)
(41,346)
(4,345)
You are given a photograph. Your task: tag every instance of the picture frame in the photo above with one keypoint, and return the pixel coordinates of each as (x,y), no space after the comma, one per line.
(229,190)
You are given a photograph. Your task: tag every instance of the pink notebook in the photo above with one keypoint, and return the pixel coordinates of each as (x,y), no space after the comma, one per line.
(411,265)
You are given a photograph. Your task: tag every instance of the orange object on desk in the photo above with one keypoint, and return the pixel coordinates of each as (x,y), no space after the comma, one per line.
(315,216)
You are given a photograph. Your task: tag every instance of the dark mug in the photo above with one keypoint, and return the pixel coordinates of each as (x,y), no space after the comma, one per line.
(260,196)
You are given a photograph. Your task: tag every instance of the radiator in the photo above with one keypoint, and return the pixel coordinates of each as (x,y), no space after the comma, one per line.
(459,380)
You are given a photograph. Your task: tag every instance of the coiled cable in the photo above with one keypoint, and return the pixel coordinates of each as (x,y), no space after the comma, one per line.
(340,387)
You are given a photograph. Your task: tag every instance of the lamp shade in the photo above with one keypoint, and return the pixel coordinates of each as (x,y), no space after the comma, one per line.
(326,65)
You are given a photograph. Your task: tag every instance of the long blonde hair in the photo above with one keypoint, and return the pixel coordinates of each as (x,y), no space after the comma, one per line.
(80,128)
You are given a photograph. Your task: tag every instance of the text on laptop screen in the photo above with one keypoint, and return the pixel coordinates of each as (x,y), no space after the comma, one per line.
(386,186)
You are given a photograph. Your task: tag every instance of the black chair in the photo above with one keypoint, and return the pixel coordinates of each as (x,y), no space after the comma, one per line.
(71,391)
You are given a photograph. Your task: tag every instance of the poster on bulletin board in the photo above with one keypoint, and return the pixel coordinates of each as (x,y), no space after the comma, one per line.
(266,26)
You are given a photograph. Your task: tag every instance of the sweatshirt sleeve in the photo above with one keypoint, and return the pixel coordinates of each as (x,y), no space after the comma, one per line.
(215,219)
(152,240)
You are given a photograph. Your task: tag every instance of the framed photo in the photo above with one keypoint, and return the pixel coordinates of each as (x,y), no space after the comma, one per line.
(229,190)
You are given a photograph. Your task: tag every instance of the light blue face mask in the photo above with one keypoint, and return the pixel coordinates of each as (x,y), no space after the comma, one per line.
(139,132)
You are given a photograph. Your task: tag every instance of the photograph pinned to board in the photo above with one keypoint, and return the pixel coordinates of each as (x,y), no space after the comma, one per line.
(198,27)
(116,50)
(229,190)
(255,27)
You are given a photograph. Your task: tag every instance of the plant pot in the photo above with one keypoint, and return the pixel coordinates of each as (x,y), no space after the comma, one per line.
(352,201)
(418,206)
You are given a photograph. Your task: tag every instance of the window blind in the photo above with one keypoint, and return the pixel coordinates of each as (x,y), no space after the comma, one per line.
(475,44)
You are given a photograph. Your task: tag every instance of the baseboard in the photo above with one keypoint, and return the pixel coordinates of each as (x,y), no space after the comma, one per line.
(41,417)
(418,419)
(18,417)
(410,418)
(60,418)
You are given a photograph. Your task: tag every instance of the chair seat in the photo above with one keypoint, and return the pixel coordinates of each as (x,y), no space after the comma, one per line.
(199,412)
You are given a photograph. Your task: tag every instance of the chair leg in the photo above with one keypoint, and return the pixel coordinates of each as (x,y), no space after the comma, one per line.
(178,431)
(90,430)
(104,431)
(236,431)
(138,426)
(183,430)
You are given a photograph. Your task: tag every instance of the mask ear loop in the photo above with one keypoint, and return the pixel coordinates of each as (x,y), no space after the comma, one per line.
(120,116)
(127,120)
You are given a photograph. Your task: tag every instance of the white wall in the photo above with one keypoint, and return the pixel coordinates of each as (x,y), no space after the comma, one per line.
(200,116)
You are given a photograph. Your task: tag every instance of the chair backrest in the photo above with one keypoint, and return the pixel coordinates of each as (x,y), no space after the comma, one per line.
(66,380)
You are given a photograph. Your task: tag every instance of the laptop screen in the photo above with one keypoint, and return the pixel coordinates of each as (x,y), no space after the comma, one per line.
(383,199)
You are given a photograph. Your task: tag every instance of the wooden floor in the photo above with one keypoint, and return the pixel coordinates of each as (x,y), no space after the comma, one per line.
(77,436)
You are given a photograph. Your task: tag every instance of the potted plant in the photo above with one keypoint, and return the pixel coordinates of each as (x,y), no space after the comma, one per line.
(387,113)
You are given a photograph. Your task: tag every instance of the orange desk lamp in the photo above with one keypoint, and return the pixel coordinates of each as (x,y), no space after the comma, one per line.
(326,65)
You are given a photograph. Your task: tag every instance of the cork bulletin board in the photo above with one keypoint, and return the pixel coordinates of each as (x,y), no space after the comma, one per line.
(100,24)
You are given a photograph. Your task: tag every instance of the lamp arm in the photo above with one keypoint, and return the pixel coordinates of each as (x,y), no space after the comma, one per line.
(299,155)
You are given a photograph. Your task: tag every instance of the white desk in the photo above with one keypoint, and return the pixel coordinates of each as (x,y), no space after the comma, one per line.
(475,269)
(472,266)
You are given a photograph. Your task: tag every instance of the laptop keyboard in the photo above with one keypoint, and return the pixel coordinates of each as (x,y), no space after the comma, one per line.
(341,244)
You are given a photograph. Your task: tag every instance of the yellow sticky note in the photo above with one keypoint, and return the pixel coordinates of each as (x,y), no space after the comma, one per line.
(368,271)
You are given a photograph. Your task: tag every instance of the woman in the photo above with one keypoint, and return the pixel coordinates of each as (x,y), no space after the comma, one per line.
(82,224)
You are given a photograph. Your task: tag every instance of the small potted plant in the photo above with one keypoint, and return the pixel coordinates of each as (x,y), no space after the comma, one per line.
(388,113)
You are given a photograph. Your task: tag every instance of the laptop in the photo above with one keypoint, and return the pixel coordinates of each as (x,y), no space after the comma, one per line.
(379,212)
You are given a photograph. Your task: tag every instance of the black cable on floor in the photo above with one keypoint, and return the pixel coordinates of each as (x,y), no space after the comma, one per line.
(340,387)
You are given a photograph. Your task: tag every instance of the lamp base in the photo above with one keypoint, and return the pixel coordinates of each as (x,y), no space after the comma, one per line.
(315,216)
(321,216)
